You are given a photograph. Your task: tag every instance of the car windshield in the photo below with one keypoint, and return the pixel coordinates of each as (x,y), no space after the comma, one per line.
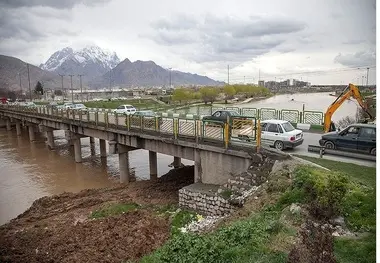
(288,127)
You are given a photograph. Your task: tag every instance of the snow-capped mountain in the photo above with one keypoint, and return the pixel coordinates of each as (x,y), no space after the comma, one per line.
(90,61)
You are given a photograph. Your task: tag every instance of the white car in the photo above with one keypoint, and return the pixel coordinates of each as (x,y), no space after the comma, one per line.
(126,109)
(280,134)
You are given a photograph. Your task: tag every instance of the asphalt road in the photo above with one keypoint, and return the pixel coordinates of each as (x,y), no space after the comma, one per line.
(312,139)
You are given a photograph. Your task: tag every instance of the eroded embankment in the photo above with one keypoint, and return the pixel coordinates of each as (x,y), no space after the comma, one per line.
(76,227)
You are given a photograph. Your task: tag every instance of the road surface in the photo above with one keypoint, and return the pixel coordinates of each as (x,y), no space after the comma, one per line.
(312,139)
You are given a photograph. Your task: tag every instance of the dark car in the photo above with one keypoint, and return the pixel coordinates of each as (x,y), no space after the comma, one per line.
(235,119)
(356,137)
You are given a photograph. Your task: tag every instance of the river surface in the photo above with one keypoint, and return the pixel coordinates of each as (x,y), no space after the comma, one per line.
(312,101)
(29,171)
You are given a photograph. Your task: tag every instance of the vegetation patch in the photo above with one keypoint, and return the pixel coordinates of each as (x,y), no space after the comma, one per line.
(113,210)
(352,250)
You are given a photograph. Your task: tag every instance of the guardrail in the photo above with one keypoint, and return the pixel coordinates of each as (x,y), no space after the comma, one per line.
(322,151)
(291,115)
(224,133)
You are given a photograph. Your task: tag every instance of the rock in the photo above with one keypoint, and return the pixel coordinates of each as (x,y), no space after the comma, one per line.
(338,221)
(295,209)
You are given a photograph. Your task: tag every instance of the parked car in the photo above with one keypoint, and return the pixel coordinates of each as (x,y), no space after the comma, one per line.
(126,109)
(78,106)
(222,115)
(67,105)
(280,134)
(29,104)
(354,138)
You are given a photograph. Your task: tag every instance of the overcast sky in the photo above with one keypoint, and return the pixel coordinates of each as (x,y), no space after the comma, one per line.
(281,39)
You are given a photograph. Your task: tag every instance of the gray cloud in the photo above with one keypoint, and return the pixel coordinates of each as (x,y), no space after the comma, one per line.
(49,3)
(358,59)
(216,38)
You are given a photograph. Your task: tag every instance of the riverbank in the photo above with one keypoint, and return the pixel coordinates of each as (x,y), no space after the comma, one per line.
(140,222)
(99,225)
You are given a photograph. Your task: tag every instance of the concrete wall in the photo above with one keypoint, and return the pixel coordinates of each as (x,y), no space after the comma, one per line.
(217,168)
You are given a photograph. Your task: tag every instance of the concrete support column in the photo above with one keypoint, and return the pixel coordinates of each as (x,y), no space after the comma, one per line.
(9,124)
(153,165)
(112,147)
(92,145)
(69,138)
(103,149)
(77,150)
(18,128)
(177,162)
(50,139)
(32,136)
(197,167)
(124,163)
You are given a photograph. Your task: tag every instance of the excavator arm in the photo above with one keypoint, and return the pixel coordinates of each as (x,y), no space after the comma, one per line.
(350,91)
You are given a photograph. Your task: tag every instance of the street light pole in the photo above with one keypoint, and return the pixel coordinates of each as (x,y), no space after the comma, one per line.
(30,90)
(80,81)
(228,74)
(367,76)
(170,77)
(63,96)
(19,75)
(72,91)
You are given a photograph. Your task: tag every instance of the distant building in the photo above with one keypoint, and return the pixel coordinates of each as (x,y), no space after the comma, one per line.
(261,83)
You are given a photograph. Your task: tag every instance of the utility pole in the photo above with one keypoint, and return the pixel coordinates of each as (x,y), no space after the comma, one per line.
(30,90)
(19,75)
(72,91)
(228,73)
(63,96)
(367,76)
(362,81)
(259,74)
(170,77)
(80,81)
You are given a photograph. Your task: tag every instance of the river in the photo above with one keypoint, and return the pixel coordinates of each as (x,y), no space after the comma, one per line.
(29,171)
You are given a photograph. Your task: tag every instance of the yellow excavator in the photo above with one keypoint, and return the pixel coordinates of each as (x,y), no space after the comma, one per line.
(350,91)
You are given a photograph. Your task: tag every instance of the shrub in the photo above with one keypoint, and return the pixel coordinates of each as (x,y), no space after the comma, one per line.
(323,190)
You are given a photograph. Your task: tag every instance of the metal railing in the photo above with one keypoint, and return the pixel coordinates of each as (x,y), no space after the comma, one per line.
(223,133)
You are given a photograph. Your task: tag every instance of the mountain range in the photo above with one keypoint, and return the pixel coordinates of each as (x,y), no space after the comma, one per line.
(98,67)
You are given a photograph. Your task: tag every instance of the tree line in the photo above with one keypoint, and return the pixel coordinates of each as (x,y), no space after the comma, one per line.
(210,94)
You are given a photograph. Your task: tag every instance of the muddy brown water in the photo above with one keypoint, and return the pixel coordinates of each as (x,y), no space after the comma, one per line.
(29,171)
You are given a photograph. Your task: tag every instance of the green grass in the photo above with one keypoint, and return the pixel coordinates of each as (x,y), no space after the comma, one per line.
(353,250)
(361,174)
(113,210)
(138,104)
(265,236)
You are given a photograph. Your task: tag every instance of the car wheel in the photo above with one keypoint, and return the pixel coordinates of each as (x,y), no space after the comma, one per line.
(329,145)
(373,151)
(279,145)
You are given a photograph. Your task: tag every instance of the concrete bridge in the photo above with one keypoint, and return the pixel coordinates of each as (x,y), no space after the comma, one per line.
(215,154)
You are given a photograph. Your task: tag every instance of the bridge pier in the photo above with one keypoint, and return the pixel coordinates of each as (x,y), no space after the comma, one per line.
(69,138)
(124,163)
(177,162)
(197,167)
(50,139)
(103,149)
(153,165)
(18,128)
(77,150)
(32,136)
(92,145)
(9,124)
(112,147)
